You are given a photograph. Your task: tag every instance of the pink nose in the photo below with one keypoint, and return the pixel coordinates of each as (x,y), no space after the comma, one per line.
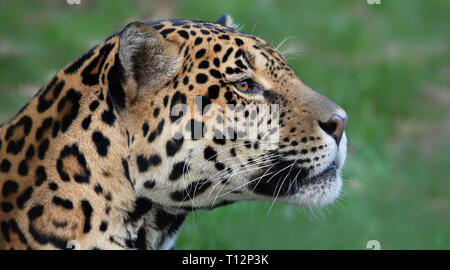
(335,126)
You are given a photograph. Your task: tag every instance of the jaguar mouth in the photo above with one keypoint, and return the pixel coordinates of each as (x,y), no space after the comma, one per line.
(287,179)
(329,174)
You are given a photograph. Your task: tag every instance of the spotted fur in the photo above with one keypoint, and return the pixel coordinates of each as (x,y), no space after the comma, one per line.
(123,143)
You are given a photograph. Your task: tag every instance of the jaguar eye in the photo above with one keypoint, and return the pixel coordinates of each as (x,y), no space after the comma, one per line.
(246,85)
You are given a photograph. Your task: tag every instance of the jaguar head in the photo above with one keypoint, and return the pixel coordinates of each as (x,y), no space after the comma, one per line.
(219,116)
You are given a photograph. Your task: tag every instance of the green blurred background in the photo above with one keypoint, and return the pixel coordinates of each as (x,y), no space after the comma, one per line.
(387,65)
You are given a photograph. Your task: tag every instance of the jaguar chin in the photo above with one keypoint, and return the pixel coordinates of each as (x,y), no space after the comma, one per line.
(290,182)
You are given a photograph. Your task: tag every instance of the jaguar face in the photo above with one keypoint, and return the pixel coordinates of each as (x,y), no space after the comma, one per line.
(224,118)
(158,120)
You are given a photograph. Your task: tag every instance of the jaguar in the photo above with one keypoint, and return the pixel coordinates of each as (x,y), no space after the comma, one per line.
(161,119)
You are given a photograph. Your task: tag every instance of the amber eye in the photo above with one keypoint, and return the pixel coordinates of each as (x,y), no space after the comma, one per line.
(245,86)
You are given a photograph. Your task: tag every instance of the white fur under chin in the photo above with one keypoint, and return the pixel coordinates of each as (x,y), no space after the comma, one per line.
(314,195)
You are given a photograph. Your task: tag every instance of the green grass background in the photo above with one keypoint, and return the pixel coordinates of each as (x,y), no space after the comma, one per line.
(387,65)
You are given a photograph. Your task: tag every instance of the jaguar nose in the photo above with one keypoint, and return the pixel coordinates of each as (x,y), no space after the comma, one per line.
(335,126)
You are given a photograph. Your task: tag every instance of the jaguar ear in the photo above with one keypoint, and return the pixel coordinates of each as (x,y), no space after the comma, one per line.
(225,20)
(146,56)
